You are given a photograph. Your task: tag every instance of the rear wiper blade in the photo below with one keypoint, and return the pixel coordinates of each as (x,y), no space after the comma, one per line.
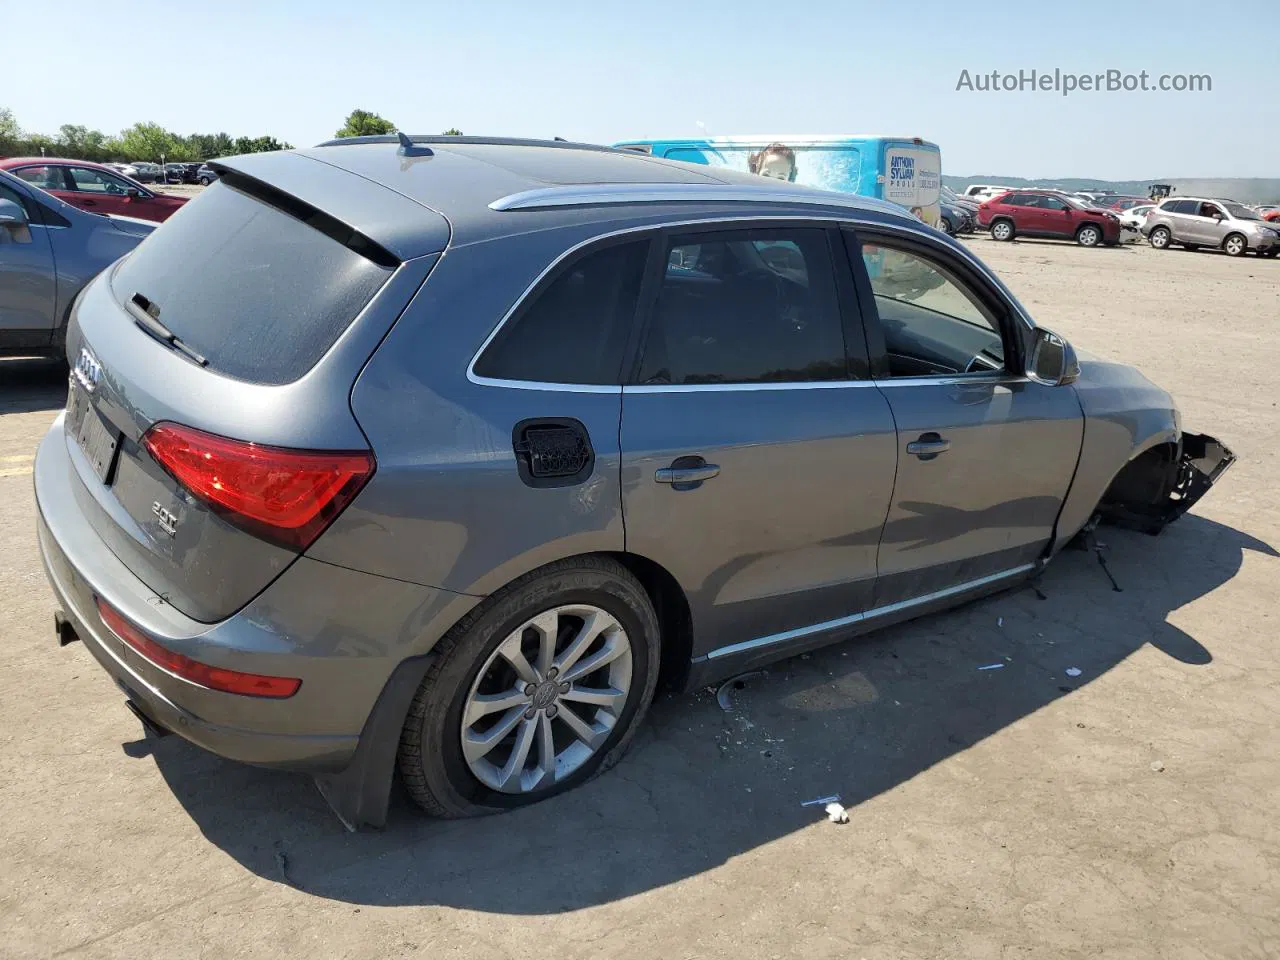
(147,316)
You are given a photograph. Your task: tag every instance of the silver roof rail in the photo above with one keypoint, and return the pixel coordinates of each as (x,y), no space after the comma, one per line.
(600,194)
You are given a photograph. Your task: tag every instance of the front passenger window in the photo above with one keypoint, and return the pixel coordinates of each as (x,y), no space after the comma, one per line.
(933,324)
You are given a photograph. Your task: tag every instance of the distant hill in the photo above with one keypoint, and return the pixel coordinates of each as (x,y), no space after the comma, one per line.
(1246,190)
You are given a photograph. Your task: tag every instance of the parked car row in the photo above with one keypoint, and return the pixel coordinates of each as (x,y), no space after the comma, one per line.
(93,187)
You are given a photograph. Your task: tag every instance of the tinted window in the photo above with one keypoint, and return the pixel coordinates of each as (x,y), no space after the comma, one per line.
(576,330)
(44,177)
(749,306)
(1181,206)
(13,196)
(256,291)
(933,324)
(1052,203)
(96,181)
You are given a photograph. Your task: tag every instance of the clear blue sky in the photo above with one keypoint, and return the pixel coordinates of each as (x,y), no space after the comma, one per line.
(605,70)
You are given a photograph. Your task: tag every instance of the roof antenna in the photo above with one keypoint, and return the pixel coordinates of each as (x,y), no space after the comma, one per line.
(410,149)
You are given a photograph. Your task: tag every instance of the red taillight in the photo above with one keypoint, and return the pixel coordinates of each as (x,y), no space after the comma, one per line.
(286,496)
(215,678)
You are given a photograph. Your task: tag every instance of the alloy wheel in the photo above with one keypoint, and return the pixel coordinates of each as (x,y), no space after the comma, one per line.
(547,699)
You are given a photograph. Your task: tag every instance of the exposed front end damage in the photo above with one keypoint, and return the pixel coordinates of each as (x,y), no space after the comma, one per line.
(1163,483)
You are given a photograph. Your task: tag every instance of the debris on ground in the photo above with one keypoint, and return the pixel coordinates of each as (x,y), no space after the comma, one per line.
(999,621)
(734,683)
(821,801)
(836,812)
(1074,671)
(993,666)
(1158,766)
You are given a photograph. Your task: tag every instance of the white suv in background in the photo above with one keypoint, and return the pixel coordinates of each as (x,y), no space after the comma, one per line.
(1196,222)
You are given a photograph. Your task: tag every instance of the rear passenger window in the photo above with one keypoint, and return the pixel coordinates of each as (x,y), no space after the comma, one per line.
(576,330)
(749,306)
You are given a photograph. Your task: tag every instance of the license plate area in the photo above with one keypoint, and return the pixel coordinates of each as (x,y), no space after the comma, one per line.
(98,440)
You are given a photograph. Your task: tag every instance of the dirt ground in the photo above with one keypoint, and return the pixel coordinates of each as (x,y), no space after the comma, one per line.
(1129,811)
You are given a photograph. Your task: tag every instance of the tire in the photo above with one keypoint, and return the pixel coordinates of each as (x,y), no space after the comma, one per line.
(1235,245)
(1089,235)
(947,228)
(1160,238)
(446,783)
(204,181)
(1002,230)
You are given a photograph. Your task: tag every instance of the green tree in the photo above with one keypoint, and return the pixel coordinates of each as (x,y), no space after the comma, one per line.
(210,145)
(81,143)
(258,145)
(452,132)
(148,141)
(10,132)
(362,123)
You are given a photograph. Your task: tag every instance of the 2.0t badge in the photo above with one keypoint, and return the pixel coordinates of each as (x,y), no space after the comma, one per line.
(168,519)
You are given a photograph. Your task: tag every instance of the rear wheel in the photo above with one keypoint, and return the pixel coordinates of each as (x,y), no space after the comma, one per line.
(1159,238)
(536,692)
(204,181)
(1002,230)
(1235,245)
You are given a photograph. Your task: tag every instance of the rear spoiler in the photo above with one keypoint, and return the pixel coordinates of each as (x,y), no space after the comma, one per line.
(330,226)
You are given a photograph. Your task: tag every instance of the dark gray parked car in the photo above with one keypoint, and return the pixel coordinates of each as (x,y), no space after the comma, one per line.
(446,453)
(48,251)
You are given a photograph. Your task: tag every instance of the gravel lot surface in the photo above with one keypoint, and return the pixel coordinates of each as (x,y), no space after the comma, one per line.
(1127,812)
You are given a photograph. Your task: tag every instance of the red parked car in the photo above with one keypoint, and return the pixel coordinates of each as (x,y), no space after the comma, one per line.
(93,187)
(1041,213)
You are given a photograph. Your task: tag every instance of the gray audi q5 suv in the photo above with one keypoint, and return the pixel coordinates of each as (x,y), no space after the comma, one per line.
(444,452)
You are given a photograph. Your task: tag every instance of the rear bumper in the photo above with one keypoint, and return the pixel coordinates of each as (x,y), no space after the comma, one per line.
(341,631)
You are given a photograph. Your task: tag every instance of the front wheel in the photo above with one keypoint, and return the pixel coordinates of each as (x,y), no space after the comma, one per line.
(1235,245)
(1159,238)
(1002,230)
(204,181)
(534,693)
(947,228)
(1088,236)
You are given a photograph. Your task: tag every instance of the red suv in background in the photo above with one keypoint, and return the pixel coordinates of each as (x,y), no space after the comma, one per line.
(1042,213)
(93,187)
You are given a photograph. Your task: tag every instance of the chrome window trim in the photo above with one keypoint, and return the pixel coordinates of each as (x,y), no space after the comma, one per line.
(714,221)
(800,632)
(634,388)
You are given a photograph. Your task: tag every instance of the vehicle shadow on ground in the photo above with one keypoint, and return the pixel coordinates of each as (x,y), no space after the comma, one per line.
(703,785)
(31,385)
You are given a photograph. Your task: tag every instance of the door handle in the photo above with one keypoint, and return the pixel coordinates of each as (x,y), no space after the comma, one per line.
(928,446)
(686,473)
(90,203)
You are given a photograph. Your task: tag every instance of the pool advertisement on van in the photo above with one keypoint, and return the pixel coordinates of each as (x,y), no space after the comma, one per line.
(908,174)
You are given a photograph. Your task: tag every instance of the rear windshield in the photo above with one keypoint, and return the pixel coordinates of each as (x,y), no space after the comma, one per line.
(257,292)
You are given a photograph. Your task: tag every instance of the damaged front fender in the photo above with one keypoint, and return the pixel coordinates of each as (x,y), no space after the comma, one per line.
(1158,487)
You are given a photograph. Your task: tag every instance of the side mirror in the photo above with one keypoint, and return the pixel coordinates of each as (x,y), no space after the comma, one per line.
(133,193)
(12,215)
(1053,361)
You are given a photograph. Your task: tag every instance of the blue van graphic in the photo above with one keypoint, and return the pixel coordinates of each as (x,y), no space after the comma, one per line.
(903,170)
